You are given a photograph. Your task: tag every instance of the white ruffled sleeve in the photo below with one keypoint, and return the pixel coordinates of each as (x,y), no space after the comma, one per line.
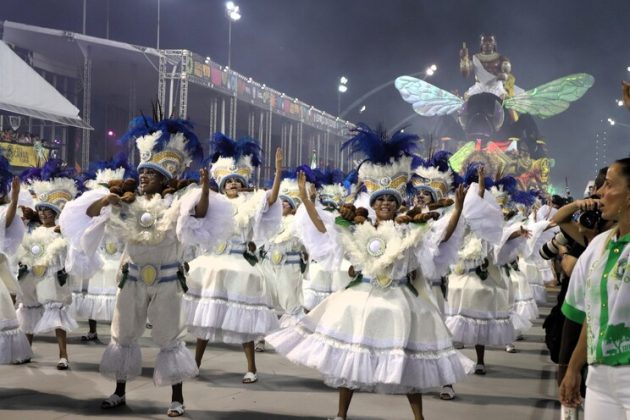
(80,265)
(216,226)
(11,236)
(325,248)
(268,218)
(538,237)
(483,215)
(435,256)
(507,250)
(82,231)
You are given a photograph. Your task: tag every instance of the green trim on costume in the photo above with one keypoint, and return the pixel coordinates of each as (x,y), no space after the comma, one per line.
(572,313)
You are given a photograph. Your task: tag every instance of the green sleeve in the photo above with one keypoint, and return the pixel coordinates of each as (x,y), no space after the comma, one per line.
(573,313)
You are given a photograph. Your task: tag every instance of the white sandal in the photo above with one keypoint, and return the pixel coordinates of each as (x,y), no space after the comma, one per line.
(63,364)
(176,409)
(113,401)
(250,378)
(447,393)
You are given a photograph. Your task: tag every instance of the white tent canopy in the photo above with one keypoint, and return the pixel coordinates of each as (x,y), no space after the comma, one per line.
(24,91)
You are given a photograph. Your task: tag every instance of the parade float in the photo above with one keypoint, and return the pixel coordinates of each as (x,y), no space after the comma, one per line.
(495,117)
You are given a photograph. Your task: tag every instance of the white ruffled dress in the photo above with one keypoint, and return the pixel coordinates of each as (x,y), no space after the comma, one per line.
(228,299)
(14,346)
(282,268)
(44,304)
(376,336)
(480,311)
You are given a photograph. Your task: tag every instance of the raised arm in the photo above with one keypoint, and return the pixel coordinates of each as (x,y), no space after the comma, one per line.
(201,209)
(481,174)
(15,193)
(460,194)
(308,204)
(95,208)
(275,189)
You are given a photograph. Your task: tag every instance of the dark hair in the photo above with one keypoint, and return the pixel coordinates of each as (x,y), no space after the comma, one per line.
(601,177)
(625,169)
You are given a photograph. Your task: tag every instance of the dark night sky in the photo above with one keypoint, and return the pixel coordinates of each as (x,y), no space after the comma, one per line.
(302,47)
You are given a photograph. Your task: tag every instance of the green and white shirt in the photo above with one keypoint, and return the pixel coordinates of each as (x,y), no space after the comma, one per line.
(599,291)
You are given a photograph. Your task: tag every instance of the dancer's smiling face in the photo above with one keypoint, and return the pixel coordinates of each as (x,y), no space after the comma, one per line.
(151,181)
(46,216)
(232,187)
(385,207)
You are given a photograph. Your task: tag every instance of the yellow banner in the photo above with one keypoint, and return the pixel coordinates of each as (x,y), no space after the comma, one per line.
(24,155)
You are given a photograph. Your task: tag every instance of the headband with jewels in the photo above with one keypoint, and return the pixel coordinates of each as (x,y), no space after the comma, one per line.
(233,159)
(168,146)
(387,166)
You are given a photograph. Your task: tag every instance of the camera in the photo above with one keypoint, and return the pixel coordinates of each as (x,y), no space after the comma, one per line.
(589,219)
(550,250)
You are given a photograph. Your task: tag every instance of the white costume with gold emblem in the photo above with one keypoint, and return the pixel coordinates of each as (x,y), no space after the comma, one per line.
(228,299)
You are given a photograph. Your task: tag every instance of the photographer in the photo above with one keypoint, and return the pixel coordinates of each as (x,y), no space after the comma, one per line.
(579,222)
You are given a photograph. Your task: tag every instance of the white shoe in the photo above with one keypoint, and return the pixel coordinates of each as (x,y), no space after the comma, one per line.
(480,369)
(510,348)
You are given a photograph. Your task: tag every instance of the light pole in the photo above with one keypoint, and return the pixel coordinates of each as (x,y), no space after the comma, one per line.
(158,26)
(342,88)
(234,14)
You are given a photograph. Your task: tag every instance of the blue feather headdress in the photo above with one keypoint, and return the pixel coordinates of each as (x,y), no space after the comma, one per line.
(53,185)
(435,175)
(470,175)
(233,158)
(168,146)
(6,176)
(387,164)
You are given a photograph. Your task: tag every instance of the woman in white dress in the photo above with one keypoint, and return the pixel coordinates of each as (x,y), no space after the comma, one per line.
(380,333)
(229,299)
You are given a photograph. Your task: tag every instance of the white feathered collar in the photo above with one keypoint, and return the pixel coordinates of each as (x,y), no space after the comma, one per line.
(147,220)
(42,247)
(286,232)
(375,249)
(246,206)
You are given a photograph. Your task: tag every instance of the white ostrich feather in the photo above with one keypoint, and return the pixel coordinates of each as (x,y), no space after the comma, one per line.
(51,243)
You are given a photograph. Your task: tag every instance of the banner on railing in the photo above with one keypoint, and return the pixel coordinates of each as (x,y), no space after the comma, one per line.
(23,155)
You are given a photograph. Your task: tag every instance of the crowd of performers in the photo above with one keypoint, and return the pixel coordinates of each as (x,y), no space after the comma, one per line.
(373,278)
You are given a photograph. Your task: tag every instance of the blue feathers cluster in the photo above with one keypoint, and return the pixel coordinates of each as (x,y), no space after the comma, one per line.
(5,175)
(223,146)
(53,168)
(142,126)
(377,148)
(329,176)
(351,179)
(471,176)
(118,161)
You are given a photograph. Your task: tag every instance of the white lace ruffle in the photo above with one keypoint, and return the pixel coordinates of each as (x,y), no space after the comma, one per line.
(97,307)
(219,320)
(121,363)
(56,316)
(173,365)
(527,309)
(540,293)
(488,332)
(29,317)
(14,346)
(395,370)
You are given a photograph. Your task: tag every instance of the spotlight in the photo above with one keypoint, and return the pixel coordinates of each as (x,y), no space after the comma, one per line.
(611,121)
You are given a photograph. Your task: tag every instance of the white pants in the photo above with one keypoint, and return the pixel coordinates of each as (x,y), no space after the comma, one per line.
(161,303)
(607,393)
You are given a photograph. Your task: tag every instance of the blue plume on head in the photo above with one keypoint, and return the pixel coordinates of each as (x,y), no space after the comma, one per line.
(55,168)
(440,160)
(417,162)
(222,145)
(288,174)
(311,175)
(471,176)
(377,148)
(523,197)
(142,126)
(5,175)
(351,178)
(508,184)
(30,174)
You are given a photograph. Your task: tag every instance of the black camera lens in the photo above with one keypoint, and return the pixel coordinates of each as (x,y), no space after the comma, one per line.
(589,219)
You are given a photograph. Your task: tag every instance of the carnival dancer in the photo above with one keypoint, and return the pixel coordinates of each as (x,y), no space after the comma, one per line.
(14,347)
(46,292)
(478,311)
(327,198)
(432,180)
(99,300)
(229,300)
(380,333)
(155,223)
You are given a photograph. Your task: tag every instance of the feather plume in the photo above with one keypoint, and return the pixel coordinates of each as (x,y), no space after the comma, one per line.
(223,146)
(377,148)
(5,175)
